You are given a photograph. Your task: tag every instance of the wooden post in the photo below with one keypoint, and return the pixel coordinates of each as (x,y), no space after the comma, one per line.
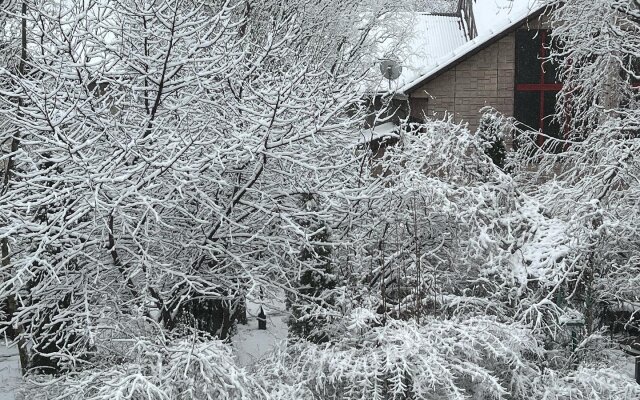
(262,320)
(638,370)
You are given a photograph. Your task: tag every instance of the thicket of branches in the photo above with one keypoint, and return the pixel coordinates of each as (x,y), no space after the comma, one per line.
(594,186)
(156,153)
(162,160)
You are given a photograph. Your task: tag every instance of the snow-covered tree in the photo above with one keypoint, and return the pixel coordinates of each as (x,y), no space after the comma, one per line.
(314,295)
(162,160)
(587,193)
(591,186)
(160,148)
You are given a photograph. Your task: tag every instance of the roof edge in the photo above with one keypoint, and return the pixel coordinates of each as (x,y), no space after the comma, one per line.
(443,14)
(408,89)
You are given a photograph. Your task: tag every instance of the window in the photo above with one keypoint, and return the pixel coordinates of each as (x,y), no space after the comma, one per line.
(536,85)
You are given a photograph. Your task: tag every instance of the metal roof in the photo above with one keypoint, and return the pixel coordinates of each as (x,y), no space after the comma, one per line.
(493,22)
(440,34)
(424,39)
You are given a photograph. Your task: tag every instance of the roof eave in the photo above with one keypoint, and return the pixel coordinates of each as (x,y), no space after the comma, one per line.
(408,90)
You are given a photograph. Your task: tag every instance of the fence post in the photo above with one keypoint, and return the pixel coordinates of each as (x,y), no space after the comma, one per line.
(262,320)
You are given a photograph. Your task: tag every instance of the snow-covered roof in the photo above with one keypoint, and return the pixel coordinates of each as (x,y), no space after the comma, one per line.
(493,15)
(631,346)
(385,130)
(421,39)
(492,18)
(439,34)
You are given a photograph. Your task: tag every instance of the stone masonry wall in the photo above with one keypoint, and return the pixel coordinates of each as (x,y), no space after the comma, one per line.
(484,79)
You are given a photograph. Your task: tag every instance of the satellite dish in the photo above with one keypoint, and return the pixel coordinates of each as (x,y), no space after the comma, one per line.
(390,68)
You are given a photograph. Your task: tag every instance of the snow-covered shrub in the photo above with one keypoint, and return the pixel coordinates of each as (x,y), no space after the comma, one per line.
(443,359)
(438,230)
(194,367)
(587,383)
(491,133)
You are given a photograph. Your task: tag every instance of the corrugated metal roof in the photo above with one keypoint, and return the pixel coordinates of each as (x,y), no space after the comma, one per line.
(499,17)
(425,39)
(439,34)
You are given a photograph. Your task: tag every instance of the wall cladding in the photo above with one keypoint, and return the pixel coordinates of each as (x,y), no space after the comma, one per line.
(484,79)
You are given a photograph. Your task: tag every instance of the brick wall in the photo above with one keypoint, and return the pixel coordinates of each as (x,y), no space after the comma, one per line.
(484,79)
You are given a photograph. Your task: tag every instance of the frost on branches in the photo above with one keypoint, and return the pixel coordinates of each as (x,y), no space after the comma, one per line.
(154,155)
(164,160)
(591,185)
(155,367)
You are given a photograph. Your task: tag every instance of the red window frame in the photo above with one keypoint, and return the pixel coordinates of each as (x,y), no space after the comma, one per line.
(542,87)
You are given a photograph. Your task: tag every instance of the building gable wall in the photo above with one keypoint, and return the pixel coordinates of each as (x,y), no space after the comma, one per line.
(484,79)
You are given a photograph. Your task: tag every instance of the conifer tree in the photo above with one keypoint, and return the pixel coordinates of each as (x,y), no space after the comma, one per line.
(490,134)
(316,280)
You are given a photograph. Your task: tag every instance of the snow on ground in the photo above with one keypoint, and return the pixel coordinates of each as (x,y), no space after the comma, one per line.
(251,344)
(9,372)
(630,367)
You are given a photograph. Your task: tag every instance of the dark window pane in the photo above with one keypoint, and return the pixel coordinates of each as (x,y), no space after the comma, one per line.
(550,68)
(526,109)
(527,60)
(551,126)
(550,72)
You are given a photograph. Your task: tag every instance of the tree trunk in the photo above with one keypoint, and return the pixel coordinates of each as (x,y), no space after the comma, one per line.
(10,302)
(11,307)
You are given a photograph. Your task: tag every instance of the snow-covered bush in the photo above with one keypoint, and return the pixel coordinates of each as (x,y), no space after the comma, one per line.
(194,367)
(491,132)
(587,383)
(445,359)
(591,188)
(438,230)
